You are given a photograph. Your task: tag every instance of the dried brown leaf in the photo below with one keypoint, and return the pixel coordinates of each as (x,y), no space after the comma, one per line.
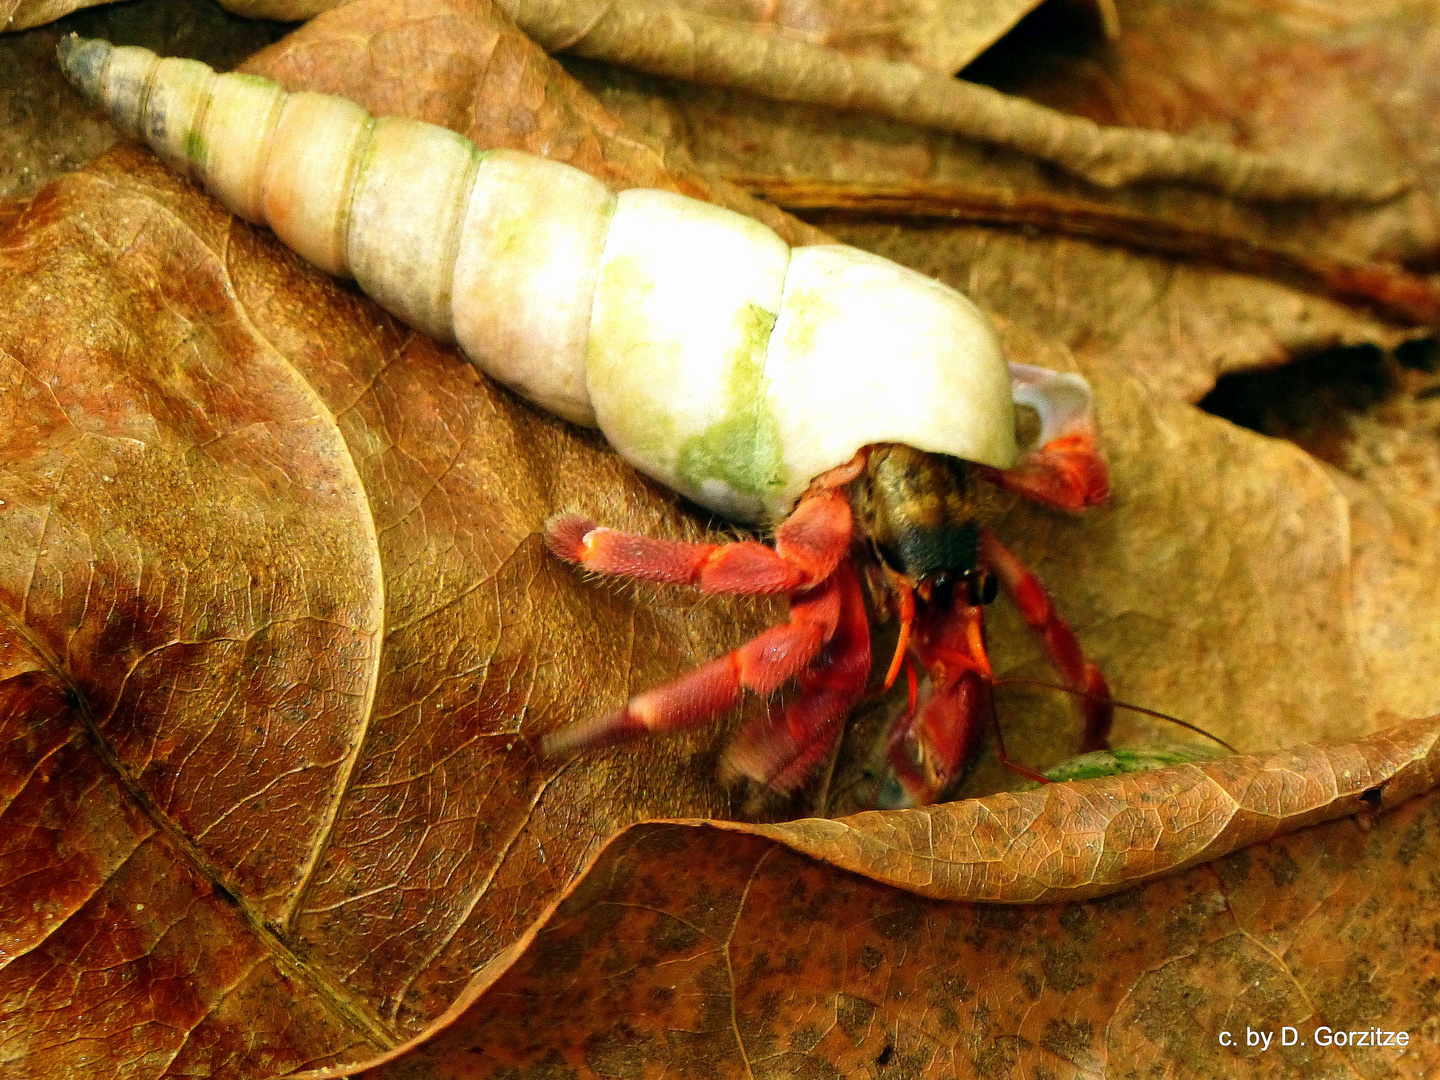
(1065,841)
(661,39)
(23,14)
(690,42)
(768,966)
(941,35)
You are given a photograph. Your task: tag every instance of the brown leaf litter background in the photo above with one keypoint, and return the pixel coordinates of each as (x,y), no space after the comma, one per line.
(279,633)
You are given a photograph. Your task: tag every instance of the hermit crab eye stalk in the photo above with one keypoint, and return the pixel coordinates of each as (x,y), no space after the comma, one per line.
(984,588)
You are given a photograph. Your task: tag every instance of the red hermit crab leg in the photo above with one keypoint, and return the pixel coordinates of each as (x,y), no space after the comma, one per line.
(782,748)
(762,665)
(809,546)
(1039,612)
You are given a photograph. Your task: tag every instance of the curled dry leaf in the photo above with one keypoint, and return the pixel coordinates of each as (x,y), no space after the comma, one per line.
(686,43)
(776,967)
(23,14)
(939,34)
(1065,841)
(934,34)
(665,40)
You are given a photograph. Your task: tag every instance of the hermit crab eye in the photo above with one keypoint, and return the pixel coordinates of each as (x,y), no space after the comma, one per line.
(942,590)
(982,587)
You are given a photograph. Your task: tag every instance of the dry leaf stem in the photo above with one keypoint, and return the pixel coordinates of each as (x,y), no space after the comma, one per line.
(658,38)
(1396,294)
(661,39)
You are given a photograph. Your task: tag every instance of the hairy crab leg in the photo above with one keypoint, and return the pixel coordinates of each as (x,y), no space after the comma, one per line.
(809,544)
(762,665)
(1067,474)
(782,748)
(1069,659)
(805,564)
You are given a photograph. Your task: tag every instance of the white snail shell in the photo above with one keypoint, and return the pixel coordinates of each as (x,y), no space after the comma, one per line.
(714,357)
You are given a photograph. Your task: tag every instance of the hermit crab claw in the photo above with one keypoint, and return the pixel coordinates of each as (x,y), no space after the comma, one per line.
(933,743)
(928,751)
(1060,464)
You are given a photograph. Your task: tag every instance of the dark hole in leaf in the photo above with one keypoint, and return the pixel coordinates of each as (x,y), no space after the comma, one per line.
(1053,31)
(883,1058)
(1309,400)
(1372,796)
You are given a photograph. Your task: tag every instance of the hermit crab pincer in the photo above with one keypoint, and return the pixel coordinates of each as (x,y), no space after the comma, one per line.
(863,407)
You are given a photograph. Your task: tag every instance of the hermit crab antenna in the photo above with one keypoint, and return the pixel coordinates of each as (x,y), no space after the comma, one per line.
(1090,695)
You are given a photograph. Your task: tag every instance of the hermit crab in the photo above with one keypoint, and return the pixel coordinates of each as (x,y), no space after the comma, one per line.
(863,409)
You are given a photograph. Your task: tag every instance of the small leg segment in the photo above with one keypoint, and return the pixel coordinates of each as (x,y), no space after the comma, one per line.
(1039,612)
(782,748)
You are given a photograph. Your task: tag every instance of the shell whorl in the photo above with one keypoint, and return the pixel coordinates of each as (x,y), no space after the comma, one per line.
(712,356)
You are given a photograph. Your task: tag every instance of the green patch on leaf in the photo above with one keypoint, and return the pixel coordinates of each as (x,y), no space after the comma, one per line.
(1124,759)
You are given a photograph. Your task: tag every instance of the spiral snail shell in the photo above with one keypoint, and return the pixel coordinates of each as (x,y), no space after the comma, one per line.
(714,357)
